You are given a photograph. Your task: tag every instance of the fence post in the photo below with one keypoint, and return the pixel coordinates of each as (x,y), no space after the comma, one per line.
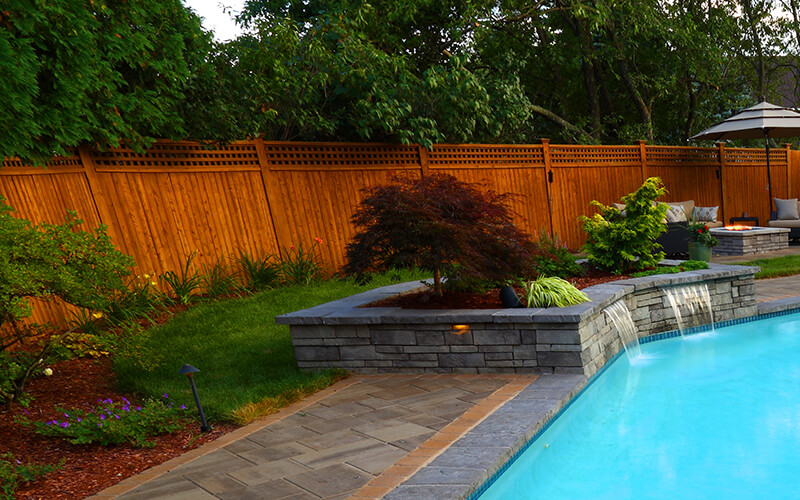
(643,156)
(263,163)
(423,161)
(788,149)
(721,149)
(548,172)
(99,199)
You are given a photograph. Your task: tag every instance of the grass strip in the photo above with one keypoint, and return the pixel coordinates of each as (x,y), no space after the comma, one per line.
(246,361)
(775,267)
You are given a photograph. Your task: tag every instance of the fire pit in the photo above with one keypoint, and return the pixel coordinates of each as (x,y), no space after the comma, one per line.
(746,240)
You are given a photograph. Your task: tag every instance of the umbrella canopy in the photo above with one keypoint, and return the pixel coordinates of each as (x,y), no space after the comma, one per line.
(762,120)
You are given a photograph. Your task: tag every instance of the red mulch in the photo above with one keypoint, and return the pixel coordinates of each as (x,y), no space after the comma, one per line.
(89,468)
(487,300)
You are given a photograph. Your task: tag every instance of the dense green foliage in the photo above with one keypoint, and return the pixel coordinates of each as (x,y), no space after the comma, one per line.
(508,71)
(81,268)
(554,259)
(552,291)
(441,225)
(97,72)
(94,72)
(622,242)
(688,265)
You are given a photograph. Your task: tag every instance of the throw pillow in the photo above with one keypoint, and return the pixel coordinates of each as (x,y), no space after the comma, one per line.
(706,214)
(787,209)
(676,213)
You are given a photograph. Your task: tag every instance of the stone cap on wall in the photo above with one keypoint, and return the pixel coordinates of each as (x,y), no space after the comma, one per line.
(347,311)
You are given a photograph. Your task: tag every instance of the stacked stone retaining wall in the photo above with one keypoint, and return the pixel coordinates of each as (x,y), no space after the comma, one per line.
(577,339)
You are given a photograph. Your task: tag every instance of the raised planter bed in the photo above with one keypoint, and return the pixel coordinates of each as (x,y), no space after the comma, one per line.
(577,339)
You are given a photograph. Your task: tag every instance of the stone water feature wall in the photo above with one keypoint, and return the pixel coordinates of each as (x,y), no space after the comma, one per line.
(577,339)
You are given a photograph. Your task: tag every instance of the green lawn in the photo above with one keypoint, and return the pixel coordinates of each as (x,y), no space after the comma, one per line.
(788,265)
(246,360)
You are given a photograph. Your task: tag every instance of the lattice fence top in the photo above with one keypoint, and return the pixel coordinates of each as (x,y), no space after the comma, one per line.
(595,156)
(747,156)
(55,163)
(302,156)
(671,155)
(447,155)
(181,155)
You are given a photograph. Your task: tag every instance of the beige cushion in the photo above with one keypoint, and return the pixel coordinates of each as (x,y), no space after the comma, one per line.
(714,223)
(676,213)
(705,214)
(785,223)
(787,209)
(688,206)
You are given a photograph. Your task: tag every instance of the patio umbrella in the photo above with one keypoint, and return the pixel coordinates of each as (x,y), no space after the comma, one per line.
(762,120)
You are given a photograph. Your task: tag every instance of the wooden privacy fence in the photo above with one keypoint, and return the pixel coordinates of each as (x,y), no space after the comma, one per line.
(261,196)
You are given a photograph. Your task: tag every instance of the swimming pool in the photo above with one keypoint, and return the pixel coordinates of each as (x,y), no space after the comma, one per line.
(712,415)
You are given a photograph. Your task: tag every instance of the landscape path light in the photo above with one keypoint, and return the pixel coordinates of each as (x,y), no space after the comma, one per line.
(189,371)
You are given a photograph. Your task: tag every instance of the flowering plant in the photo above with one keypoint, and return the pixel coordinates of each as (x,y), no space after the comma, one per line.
(112,422)
(699,233)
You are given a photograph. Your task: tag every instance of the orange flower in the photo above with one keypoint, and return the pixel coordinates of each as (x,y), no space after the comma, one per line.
(318,240)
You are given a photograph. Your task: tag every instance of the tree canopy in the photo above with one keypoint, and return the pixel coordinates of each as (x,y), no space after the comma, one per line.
(411,71)
(94,72)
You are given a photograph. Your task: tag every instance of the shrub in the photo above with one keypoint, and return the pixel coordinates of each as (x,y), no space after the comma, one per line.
(14,473)
(440,225)
(138,299)
(44,261)
(259,272)
(552,291)
(554,259)
(299,266)
(218,280)
(622,242)
(687,265)
(112,422)
(183,285)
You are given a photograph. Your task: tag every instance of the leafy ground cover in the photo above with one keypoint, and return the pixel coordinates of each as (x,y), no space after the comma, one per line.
(776,267)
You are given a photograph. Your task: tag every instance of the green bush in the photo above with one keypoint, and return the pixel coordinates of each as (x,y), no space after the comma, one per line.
(555,259)
(623,242)
(14,473)
(81,268)
(552,292)
(112,422)
(688,265)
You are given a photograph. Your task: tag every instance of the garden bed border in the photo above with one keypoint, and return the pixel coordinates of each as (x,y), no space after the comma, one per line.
(578,339)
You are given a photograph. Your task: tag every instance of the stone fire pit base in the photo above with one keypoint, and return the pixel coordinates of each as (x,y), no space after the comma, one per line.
(750,241)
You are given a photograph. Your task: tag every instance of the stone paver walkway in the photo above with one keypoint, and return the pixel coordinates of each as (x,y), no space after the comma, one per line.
(361,437)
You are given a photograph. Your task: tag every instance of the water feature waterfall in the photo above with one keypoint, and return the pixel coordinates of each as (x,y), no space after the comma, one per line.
(621,317)
(687,301)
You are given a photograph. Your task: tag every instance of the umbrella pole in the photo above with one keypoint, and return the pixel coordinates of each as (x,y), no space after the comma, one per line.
(769,173)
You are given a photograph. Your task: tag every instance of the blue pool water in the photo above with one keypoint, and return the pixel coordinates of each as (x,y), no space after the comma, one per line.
(708,416)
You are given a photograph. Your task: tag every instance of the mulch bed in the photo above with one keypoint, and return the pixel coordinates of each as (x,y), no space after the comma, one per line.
(89,468)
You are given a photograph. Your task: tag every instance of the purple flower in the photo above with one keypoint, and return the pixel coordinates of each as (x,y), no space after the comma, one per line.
(79,419)
(183,407)
(165,396)
(138,408)
(64,425)
(99,425)
(25,412)
(107,401)
(126,408)
(127,403)
(66,415)
(102,417)
(116,416)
